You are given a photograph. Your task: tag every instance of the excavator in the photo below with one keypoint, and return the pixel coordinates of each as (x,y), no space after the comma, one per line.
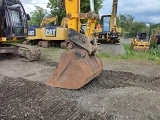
(13,26)
(45,35)
(109,32)
(79,64)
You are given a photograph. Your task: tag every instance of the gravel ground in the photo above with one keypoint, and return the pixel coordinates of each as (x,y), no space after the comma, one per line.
(125,90)
(112,96)
(112,49)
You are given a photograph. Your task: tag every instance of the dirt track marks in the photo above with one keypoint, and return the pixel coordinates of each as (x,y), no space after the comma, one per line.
(23,99)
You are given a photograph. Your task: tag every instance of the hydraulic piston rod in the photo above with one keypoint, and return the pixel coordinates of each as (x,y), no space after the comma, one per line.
(92,5)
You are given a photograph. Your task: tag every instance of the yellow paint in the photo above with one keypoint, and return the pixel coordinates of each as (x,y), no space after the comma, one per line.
(3,39)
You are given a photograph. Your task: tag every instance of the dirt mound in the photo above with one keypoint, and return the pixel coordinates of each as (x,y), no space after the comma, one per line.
(111,95)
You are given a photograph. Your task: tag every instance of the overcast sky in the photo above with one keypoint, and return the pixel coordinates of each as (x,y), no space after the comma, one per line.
(142,10)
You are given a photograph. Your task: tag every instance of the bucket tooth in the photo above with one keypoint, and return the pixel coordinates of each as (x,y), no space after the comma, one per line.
(76,68)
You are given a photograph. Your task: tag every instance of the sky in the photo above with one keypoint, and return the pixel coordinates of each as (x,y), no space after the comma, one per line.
(141,10)
(29,5)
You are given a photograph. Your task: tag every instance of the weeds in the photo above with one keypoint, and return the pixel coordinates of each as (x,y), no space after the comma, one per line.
(104,55)
(153,54)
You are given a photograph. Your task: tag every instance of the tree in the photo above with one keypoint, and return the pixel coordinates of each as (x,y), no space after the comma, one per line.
(129,26)
(155,28)
(125,21)
(54,5)
(137,28)
(37,15)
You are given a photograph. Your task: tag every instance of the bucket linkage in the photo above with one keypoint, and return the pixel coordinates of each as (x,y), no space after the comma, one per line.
(78,65)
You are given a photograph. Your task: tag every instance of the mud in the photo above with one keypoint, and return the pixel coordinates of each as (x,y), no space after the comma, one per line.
(110,96)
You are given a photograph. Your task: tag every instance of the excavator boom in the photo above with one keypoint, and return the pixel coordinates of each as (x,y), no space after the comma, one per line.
(48,20)
(79,64)
(114,14)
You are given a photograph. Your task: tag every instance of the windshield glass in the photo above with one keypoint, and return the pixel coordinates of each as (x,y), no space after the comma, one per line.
(83,27)
(106,24)
(16,18)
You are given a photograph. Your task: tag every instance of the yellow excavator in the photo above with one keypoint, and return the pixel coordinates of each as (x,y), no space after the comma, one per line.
(108,32)
(13,26)
(79,64)
(46,35)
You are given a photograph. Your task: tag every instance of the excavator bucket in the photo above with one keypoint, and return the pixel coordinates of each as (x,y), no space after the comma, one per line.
(76,68)
(78,65)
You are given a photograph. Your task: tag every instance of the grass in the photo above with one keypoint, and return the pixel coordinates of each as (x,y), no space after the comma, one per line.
(152,55)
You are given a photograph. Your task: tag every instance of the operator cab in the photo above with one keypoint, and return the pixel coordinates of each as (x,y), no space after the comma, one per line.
(107,33)
(105,21)
(145,36)
(105,28)
(14,18)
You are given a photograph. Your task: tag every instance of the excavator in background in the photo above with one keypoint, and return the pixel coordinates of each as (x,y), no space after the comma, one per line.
(13,26)
(79,64)
(48,20)
(46,35)
(142,41)
(108,32)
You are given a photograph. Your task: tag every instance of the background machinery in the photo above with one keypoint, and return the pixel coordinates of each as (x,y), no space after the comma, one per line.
(13,26)
(155,38)
(79,64)
(47,34)
(108,32)
(142,41)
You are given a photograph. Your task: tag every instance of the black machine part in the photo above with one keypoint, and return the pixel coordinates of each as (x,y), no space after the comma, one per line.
(13,19)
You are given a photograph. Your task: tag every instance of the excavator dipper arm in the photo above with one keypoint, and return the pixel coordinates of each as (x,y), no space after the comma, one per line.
(79,64)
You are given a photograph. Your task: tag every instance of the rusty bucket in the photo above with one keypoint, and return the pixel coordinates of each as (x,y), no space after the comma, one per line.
(76,68)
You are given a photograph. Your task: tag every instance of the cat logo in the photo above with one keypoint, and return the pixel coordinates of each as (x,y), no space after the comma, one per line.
(31,33)
(51,32)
